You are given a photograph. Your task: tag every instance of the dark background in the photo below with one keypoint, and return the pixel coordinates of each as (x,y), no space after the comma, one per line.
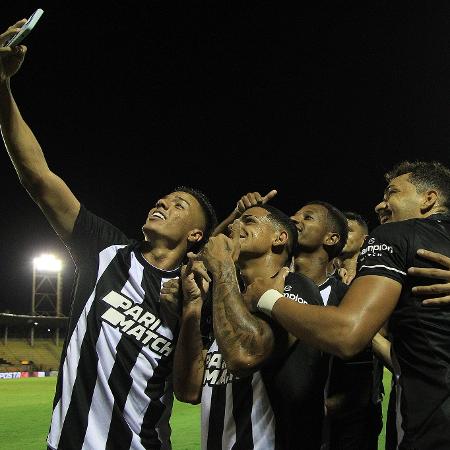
(130,99)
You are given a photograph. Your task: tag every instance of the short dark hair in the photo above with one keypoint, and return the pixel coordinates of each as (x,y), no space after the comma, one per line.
(283,220)
(336,223)
(425,175)
(208,211)
(351,215)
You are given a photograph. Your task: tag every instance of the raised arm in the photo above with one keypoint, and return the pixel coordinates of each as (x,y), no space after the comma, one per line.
(50,193)
(246,201)
(244,339)
(189,360)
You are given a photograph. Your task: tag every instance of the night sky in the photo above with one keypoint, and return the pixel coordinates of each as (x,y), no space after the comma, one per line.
(131,99)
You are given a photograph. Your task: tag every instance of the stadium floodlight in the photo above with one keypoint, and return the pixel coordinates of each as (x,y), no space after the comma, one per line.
(47,263)
(46,289)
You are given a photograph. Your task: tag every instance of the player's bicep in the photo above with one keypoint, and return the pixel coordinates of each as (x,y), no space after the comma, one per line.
(368,303)
(58,203)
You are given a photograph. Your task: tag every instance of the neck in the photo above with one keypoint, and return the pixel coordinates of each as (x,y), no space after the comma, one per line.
(437,210)
(313,265)
(349,264)
(162,257)
(265,266)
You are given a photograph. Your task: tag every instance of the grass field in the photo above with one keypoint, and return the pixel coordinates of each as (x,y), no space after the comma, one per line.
(26,407)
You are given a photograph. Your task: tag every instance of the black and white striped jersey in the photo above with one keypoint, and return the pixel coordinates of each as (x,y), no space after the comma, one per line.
(114,387)
(275,407)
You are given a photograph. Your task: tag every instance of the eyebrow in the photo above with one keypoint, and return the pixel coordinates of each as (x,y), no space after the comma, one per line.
(260,219)
(182,199)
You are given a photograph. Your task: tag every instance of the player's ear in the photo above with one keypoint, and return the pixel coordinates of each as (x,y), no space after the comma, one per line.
(331,238)
(429,200)
(281,239)
(195,235)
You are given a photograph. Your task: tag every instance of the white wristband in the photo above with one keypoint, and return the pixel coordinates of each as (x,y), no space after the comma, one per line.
(267,300)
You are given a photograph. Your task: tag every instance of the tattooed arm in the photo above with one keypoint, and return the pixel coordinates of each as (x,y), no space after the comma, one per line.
(244,339)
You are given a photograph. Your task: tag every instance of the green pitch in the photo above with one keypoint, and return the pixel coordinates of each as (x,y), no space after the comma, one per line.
(26,406)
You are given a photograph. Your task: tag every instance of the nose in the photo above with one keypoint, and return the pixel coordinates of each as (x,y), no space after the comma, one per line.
(162,203)
(295,219)
(380,206)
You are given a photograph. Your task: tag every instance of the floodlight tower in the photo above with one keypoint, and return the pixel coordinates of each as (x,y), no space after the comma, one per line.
(47,288)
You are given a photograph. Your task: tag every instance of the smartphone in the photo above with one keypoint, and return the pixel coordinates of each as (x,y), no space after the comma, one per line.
(25,30)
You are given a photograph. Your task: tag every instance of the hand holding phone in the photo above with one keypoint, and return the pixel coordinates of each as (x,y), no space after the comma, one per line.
(25,29)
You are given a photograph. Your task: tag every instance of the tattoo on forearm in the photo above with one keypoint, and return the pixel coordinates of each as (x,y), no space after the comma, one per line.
(235,328)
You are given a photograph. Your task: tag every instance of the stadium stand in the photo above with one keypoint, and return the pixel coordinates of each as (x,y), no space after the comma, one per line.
(30,343)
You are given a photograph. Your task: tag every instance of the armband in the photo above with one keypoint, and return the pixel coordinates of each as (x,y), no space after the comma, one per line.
(267,300)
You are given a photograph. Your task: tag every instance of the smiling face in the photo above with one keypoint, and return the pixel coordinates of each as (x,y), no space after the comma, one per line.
(174,217)
(257,233)
(382,212)
(401,201)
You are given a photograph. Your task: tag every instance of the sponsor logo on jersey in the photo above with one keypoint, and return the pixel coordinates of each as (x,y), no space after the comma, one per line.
(376,249)
(294,297)
(133,320)
(216,372)
(288,288)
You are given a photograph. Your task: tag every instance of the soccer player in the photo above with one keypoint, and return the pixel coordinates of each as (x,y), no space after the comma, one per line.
(351,422)
(253,393)
(114,385)
(417,199)
(357,232)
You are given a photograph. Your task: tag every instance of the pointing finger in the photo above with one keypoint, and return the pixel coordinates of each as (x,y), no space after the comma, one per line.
(269,196)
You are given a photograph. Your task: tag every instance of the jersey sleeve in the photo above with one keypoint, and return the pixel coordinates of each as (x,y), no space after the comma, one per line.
(385,252)
(91,235)
(302,289)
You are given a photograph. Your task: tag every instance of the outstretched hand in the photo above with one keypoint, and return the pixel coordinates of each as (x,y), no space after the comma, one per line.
(254,199)
(256,289)
(442,289)
(11,58)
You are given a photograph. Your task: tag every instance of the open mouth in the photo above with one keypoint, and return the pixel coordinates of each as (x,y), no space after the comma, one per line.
(385,218)
(299,230)
(157,215)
